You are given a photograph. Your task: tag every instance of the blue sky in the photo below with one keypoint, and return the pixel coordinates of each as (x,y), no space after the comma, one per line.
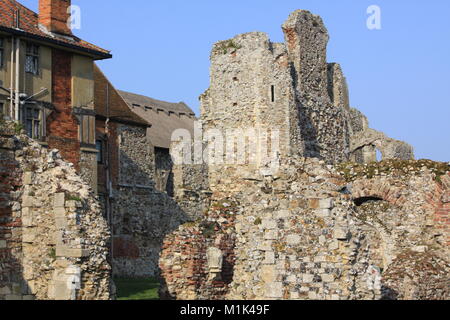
(398,76)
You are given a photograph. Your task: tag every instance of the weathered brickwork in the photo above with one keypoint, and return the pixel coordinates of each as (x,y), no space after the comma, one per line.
(314,232)
(417,276)
(315,227)
(442,204)
(54,14)
(54,240)
(62,126)
(185,256)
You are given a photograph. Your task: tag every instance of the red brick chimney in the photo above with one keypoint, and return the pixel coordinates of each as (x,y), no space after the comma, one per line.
(54,15)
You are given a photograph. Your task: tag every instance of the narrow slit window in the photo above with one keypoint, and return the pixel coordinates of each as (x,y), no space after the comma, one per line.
(272,91)
(99,147)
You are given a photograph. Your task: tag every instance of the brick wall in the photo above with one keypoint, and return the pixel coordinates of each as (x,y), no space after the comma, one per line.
(62,126)
(184,262)
(53,15)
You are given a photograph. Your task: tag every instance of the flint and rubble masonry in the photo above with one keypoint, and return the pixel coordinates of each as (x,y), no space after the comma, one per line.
(311,230)
(53,237)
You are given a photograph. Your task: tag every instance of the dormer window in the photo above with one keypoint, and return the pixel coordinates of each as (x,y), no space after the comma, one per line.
(1,52)
(32,59)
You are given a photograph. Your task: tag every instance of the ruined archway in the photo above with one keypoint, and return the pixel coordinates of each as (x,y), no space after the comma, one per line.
(401,219)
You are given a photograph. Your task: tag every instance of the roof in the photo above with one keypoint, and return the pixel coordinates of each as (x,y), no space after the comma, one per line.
(144,101)
(118,110)
(29,27)
(165,117)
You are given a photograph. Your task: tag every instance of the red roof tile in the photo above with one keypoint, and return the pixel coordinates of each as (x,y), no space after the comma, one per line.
(28,26)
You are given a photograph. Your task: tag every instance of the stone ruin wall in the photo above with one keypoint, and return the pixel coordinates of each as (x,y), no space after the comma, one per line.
(243,72)
(53,238)
(323,126)
(290,87)
(189,267)
(142,214)
(267,227)
(318,232)
(310,231)
(46,239)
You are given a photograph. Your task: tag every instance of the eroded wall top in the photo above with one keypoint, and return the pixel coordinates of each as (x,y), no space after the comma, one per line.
(289,87)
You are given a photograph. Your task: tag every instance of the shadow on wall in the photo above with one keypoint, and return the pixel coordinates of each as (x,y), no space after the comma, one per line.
(142,217)
(12,284)
(309,133)
(307,129)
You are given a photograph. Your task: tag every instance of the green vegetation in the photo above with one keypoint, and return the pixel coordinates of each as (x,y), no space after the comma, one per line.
(353,171)
(52,253)
(18,128)
(73,198)
(209,229)
(137,289)
(228,46)
(192,224)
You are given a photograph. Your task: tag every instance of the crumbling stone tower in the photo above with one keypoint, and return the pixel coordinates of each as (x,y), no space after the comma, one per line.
(303,231)
(323,125)
(291,88)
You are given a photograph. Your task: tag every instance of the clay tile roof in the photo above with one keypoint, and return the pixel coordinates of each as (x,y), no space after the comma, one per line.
(144,101)
(165,117)
(28,26)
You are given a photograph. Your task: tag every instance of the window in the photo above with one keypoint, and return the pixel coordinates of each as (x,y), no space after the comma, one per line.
(33,122)
(32,59)
(1,52)
(379,155)
(99,147)
(2,110)
(272,91)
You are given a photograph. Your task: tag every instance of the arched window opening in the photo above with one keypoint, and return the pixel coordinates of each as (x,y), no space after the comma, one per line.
(379,155)
(360,201)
